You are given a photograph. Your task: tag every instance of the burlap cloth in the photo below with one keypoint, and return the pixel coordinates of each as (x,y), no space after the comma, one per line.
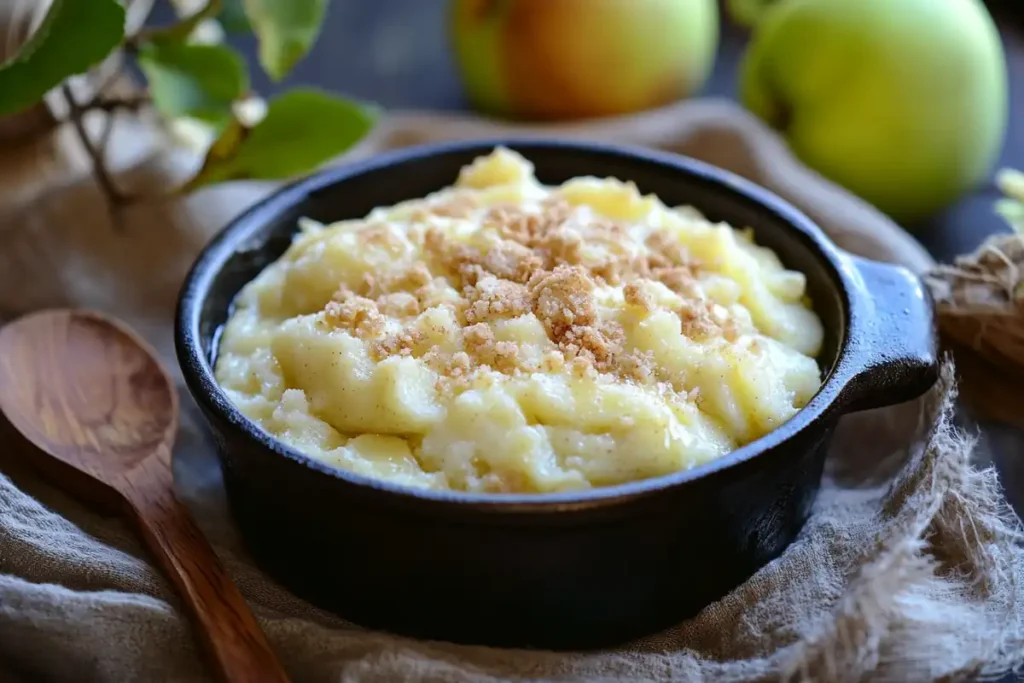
(909,569)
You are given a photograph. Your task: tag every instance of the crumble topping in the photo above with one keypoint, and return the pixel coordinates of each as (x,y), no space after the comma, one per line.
(538,265)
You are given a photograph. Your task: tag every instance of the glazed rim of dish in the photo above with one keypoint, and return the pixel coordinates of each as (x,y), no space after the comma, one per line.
(199,376)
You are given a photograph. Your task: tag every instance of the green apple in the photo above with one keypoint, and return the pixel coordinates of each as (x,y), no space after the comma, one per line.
(564,59)
(904,102)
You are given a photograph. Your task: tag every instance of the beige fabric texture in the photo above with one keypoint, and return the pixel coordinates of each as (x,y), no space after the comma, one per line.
(910,568)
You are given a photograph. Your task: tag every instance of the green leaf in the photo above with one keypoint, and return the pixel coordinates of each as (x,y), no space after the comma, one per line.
(1011,183)
(232,17)
(286,30)
(1012,211)
(74,36)
(303,129)
(201,81)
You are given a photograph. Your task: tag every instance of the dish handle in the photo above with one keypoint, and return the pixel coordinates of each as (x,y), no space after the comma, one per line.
(893,352)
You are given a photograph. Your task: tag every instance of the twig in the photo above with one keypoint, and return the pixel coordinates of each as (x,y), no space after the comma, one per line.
(110,104)
(105,134)
(115,198)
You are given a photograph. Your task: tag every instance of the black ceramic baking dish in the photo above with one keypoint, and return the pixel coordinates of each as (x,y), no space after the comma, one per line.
(557,570)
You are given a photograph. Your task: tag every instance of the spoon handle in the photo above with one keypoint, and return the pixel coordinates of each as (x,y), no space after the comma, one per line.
(228,628)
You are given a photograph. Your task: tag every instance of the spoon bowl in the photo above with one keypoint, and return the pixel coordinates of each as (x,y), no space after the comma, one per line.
(86,391)
(101,413)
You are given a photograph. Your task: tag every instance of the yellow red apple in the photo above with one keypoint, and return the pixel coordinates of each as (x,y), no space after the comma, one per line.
(565,59)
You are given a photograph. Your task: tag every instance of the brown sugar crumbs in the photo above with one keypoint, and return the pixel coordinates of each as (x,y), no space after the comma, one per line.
(636,295)
(500,355)
(492,298)
(538,263)
(562,299)
(355,314)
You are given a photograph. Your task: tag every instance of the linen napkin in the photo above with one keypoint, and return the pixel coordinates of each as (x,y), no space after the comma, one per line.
(909,569)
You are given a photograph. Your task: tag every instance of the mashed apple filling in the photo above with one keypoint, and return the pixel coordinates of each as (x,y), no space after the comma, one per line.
(501,335)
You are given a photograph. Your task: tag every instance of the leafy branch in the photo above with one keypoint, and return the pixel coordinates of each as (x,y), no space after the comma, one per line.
(192,81)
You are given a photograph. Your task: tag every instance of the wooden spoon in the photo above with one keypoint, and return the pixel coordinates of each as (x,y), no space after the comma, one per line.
(102,414)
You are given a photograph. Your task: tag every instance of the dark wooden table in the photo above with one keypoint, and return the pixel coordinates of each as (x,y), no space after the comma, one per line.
(395,52)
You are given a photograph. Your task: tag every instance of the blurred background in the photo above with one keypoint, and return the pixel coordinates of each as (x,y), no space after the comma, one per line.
(401,55)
